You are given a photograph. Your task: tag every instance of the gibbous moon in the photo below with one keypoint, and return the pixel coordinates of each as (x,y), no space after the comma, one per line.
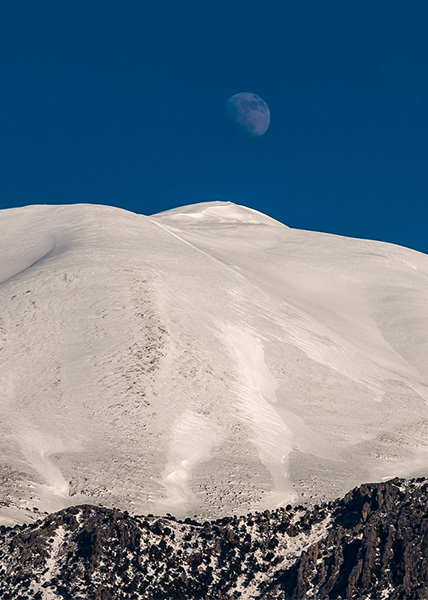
(249,113)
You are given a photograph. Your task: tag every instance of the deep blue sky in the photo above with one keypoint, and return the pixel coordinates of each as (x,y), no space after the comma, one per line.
(122,103)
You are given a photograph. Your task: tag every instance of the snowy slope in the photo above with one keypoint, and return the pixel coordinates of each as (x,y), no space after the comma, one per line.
(207,360)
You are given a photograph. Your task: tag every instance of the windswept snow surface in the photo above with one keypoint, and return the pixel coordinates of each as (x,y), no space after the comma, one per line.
(207,360)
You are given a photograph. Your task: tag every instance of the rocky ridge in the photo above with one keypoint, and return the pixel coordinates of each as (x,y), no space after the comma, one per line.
(371,544)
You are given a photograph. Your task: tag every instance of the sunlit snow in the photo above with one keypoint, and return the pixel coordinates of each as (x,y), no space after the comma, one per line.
(207,360)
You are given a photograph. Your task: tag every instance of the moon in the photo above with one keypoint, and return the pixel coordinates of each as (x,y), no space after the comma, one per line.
(249,113)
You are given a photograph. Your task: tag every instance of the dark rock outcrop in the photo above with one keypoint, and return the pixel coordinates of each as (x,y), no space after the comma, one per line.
(372,544)
(377,548)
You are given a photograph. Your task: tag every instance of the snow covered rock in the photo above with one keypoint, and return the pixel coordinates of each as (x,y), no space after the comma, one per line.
(371,544)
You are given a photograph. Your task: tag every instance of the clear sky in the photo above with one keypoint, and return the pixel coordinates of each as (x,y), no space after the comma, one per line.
(123,103)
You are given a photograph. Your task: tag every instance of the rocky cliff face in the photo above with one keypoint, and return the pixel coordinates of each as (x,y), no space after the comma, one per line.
(377,547)
(372,544)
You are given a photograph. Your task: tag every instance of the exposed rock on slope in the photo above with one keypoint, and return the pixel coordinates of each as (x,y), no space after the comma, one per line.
(377,547)
(370,545)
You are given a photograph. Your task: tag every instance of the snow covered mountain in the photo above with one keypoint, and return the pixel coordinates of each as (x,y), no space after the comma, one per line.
(207,360)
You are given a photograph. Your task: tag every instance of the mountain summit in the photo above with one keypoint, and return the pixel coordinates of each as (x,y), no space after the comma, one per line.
(206,360)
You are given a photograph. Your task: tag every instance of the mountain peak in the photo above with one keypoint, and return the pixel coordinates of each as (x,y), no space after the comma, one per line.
(215,213)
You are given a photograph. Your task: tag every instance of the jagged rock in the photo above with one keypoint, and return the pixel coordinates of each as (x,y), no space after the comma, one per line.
(372,544)
(376,548)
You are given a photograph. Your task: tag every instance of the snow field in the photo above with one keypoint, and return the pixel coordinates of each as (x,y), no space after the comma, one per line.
(207,360)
